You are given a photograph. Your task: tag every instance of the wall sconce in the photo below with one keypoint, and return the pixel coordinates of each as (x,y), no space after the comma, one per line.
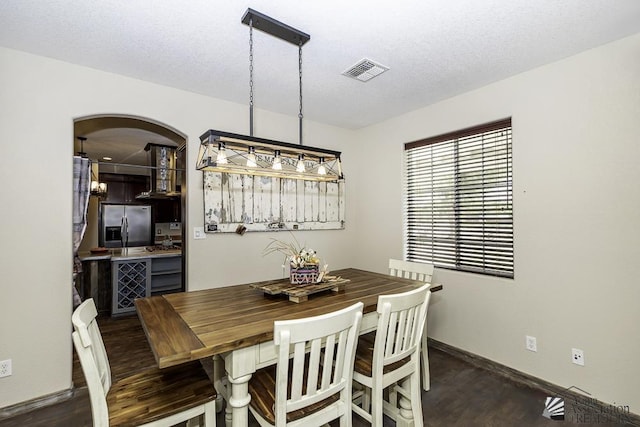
(98,189)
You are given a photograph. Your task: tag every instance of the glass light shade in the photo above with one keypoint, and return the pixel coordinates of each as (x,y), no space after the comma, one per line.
(222,155)
(322,170)
(251,158)
(209,151)
(98,188)
(300,166)
(277,162)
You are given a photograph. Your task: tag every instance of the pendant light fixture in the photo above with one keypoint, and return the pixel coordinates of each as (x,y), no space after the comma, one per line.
(240,154)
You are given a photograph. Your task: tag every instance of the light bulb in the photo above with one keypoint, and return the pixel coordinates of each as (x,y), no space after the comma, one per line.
(222,155)
(321,169)
(251,158)
(209,152)
(300,166)
(277,162)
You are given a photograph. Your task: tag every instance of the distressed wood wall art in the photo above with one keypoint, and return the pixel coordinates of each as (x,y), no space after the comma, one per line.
(261,203)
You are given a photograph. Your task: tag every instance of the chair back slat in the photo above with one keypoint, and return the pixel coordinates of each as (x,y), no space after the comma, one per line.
(331,342)
(298,370)
(314,362)
(329,356)
(405,326)
(340,353)
(411,270)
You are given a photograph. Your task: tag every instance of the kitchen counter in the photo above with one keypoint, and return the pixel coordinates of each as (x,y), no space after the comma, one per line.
(116,254)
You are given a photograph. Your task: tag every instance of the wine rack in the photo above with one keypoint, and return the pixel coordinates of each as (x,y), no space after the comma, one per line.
(131,279)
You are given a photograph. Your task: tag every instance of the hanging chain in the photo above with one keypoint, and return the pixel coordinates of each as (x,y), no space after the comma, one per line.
(251,77)
(300,78)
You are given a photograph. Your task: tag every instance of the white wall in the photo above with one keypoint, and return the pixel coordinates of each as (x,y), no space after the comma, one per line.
(576,148)
(39,99)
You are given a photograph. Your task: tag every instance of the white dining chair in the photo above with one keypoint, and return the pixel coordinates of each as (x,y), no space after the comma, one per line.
(424,273)
(314,386)
(411,270)
(153,397)
(390,357)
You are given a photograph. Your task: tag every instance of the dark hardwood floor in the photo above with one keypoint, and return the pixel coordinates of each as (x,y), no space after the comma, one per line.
(461,394)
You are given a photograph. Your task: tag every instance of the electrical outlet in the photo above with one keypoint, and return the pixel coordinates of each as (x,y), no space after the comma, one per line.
(530,343)
(5,368)
(577,356)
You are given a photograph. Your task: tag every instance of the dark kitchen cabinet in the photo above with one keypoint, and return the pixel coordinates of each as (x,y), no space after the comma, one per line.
(95,282)
(124,188)
(166,210)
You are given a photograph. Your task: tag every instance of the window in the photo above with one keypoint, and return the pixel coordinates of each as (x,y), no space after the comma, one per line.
(459,200)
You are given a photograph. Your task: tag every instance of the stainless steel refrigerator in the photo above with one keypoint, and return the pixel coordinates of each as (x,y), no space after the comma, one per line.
(125,226)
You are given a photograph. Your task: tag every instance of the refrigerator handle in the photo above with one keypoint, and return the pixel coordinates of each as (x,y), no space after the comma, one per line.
(124,232)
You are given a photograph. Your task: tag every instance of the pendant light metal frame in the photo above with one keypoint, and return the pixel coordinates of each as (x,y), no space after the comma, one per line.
(274,27)
(237,151)
(320,164)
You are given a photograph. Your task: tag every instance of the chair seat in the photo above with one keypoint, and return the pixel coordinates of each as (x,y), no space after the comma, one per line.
(262,388)
(155,393)
(364,356)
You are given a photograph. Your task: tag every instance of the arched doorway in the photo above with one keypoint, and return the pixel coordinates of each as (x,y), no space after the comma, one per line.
(119,145)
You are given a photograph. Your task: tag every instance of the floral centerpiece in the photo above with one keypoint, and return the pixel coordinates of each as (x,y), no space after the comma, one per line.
(304,264)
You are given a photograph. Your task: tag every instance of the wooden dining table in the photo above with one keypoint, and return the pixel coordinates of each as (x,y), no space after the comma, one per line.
(234,325)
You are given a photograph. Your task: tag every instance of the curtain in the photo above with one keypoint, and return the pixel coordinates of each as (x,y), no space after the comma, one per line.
(81,188)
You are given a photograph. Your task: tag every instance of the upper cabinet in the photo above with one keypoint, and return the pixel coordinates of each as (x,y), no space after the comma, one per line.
(166,210)
(124,188)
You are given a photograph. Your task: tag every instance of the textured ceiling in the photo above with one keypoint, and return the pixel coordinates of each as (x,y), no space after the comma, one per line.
(435,49)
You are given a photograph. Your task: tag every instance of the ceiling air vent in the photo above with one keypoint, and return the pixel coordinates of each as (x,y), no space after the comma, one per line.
(365,70)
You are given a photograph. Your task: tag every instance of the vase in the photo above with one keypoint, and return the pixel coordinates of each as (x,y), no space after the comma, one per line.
(304,275)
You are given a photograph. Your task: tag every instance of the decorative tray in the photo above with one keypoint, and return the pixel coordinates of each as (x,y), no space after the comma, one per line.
(300,293)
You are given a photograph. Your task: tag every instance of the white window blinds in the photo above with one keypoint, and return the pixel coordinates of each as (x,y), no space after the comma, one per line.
(459,200)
